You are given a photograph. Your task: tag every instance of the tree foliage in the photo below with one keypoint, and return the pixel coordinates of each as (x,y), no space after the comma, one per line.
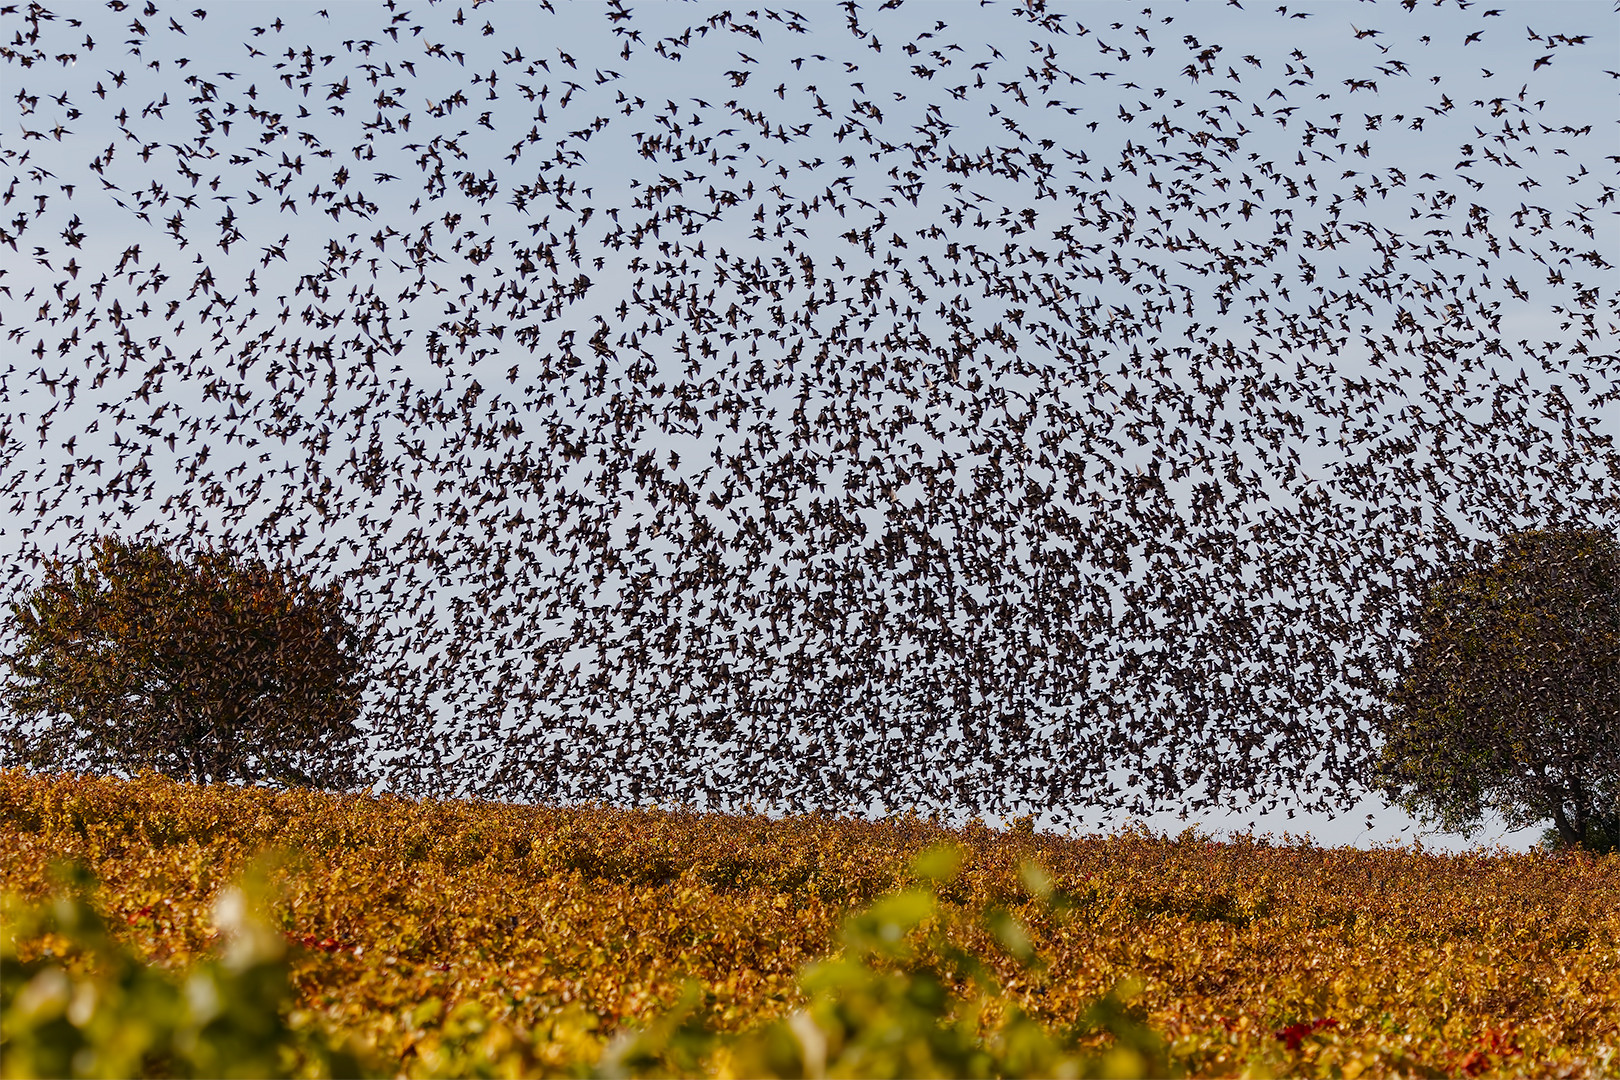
(1511,699)
(208,668)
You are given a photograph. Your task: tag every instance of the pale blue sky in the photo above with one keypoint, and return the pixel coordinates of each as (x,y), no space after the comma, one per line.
(1439,68)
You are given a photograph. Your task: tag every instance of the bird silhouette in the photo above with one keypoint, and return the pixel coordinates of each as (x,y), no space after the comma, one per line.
(902,424)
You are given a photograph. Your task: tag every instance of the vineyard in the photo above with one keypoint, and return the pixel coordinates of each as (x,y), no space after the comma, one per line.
(455,938)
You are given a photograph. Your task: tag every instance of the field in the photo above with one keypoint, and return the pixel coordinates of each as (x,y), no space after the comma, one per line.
(462,938)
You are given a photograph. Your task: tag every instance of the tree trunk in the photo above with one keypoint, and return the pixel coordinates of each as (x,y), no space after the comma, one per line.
(1566,829)
(1557,795)
(199,767)
(228,752)
(1592,818)
(186,746)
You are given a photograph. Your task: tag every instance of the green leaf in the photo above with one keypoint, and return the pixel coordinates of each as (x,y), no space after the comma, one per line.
(939,863)
(1035,878)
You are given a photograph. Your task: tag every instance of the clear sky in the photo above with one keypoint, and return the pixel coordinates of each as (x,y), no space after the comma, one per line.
(327,161)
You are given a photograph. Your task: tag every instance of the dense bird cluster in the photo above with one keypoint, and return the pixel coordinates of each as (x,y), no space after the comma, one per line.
(1001,407)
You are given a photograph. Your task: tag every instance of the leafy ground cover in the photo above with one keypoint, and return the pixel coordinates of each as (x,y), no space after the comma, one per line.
(457,938)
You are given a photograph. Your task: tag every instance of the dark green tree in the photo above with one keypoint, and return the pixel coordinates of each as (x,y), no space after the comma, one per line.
(1510,699)
(208,668)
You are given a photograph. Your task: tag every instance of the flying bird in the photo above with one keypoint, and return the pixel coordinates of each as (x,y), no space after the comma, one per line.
(913,430)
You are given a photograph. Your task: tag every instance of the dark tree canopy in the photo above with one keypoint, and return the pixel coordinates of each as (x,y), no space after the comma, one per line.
(1511,698)
(1001,408)
(208,668)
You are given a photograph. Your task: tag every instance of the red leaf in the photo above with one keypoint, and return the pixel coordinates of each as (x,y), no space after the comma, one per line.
(1293,1035)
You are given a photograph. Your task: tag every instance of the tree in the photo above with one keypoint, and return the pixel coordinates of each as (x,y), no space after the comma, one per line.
(208,668)
(1510,700)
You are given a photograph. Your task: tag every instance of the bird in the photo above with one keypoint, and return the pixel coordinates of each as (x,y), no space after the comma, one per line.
(915,428)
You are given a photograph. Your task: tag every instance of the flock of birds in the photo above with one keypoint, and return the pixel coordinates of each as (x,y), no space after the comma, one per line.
(946,406)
